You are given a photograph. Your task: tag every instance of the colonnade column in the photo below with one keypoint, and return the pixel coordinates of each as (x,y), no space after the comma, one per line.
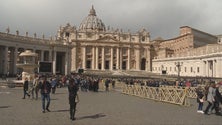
(111,59)
(103,58)
(117,58)
(218,67)
(15,60)
(84,57)
(207,68)
(97,57)
(203,68)
(5,61)
(66,62)
(120,58)
(54,62)
(128,62)
(214,68)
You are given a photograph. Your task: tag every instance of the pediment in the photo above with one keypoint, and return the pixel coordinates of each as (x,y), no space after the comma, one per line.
(108,39)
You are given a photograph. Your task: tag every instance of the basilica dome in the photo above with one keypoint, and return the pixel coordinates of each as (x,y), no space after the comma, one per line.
(92,22)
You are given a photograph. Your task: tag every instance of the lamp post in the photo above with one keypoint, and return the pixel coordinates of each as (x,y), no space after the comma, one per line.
(178,65)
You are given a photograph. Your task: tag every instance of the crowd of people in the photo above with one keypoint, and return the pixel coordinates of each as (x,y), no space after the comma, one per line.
(46,85)
(212,96)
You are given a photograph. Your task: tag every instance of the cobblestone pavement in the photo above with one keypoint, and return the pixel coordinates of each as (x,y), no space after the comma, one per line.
(102,108)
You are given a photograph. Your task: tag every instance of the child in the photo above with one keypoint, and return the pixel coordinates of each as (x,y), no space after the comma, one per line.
(200,100)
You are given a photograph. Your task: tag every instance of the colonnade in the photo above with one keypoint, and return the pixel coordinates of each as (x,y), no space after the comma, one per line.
(9,57)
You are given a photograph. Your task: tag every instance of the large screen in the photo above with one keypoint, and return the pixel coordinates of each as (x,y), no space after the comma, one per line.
(45,67)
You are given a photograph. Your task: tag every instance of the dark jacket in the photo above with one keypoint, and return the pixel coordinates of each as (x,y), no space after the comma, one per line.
(200,95)
(73,89)
(218,97)
(45,85)
(26,85)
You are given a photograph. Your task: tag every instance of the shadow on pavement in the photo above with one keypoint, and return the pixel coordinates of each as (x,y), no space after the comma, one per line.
(60,93)
(64,110)
(99,115)
(2,107)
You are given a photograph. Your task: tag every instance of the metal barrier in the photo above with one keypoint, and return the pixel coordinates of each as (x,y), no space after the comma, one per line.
(165,94)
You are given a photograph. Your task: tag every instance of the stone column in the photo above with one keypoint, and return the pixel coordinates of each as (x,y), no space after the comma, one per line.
(5,64)
(103,58)
(219,61)
(73,59)
(129,60)
(15,60)
(148,60)
(117,58)
(84,57)
(97,57)
(120,58)
(207,68)
(137,59)
(66,62)
(214,68)
(93,58)
(54,62)
(203,69)
(111,59)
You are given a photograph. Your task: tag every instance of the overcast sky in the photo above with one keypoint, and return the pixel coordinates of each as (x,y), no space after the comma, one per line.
(160,17)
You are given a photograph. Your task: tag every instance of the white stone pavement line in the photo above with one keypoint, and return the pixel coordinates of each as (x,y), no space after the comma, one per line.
(5,92)
(3,86)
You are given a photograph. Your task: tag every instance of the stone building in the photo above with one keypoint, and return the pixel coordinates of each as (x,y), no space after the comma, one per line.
(48,50)
(96,47)
(193,53)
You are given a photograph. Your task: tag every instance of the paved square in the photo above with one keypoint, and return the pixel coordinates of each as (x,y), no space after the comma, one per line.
(102,108)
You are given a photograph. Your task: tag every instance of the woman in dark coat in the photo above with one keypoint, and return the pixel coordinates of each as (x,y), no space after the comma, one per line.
(73,98)
(25,87)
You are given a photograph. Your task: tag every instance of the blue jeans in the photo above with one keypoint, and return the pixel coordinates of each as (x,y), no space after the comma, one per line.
(200,106)
(45,96)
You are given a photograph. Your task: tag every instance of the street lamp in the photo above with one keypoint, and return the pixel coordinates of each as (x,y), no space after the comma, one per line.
(178,65)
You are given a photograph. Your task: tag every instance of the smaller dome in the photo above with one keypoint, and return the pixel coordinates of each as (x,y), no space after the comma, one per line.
(92,22)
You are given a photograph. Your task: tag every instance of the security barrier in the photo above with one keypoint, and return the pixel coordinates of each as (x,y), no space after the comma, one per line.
(165,94)
(191,91)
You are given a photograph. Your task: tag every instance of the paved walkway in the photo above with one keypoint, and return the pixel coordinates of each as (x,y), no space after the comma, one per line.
(102,108)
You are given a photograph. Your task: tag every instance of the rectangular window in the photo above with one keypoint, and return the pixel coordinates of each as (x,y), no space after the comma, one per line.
(198,69)
(191,69)
(185,69)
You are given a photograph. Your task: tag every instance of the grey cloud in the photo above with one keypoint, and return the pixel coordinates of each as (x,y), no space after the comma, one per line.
(160,17)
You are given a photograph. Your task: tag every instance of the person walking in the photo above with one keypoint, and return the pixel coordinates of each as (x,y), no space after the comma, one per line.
(73,97)
(54,85)
(45,93)
(36,87)
(218,100)
(200,99)
(25,88)
(210,98)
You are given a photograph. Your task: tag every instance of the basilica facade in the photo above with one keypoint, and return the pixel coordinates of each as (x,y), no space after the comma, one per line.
(96,47)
